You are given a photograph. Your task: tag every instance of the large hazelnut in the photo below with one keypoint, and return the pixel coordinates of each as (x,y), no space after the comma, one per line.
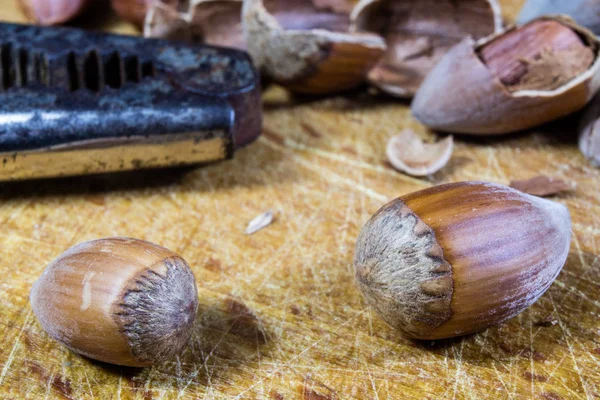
(118,300)
(457,258)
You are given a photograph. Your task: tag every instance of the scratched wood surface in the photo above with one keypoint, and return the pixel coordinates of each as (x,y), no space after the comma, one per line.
(280,317)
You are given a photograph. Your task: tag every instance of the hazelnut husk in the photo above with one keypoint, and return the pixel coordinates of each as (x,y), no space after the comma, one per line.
(213,22)
(418,33)
(44,12)
(457,258)
(305,45)
(118,300)
(585,12)
(515,80)
(589,132)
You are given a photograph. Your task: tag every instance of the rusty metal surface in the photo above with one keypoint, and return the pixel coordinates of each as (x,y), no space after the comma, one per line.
(60,87)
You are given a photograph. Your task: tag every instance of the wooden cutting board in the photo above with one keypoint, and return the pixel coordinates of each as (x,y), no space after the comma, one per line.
(280,316)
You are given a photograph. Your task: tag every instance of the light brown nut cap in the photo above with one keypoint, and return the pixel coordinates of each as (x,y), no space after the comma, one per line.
(118,300)
(589,132)
(457,258)
(418,34)
(462,95)
(309,52)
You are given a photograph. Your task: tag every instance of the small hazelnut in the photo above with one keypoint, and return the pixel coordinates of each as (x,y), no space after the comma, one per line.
(457,258)
(118,300)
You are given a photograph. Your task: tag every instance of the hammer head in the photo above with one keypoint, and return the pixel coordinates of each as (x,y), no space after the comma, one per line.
(75,102)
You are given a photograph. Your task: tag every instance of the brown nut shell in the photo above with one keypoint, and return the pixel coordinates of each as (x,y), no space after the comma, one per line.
(418,33)
(463,94)
(213,22)
(118,300)
(589,132)
(307,48)
(457,258)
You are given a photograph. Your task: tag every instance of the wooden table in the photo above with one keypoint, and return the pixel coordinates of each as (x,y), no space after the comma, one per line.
(280,316)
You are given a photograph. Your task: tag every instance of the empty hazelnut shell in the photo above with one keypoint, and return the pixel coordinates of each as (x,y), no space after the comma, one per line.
(305,45)
(213,22)
(418,33)
(457,258)
(118,300)
(589,132)
(518,79)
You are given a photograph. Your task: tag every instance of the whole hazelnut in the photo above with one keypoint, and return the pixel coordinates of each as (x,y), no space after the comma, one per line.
(118,300)
(457,258)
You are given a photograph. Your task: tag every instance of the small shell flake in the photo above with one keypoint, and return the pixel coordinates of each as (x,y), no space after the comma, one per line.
(261,221)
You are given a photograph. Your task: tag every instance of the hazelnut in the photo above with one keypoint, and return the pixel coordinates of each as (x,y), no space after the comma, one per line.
(118,300)
(457,258)
(515,80)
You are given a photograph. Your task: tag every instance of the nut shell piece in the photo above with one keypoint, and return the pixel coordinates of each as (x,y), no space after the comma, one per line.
(118,300)
(589,132)
(408,153)
(305,46)
(213,22)
(418,34)
(457,258)
(462,94)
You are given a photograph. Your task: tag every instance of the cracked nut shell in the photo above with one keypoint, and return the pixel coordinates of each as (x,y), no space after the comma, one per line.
(305,45)
(118,300)
(515,80)
(457,258)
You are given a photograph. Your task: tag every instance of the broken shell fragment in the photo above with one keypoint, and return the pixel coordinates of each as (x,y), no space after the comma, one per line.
(418,34)
(589,132)
(408,153)
(213,22)
(306,47)
(584,12)
(518,79)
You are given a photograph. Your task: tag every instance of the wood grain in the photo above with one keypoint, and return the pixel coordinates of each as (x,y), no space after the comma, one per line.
(280,316)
